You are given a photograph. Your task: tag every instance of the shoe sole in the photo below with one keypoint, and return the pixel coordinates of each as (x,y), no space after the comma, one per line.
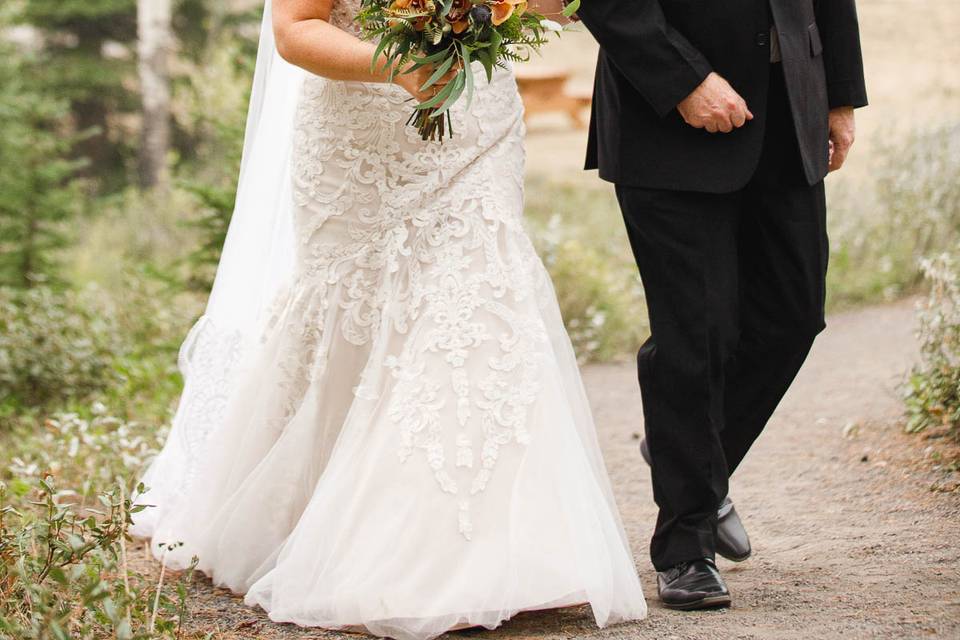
(736,559)
(710,602)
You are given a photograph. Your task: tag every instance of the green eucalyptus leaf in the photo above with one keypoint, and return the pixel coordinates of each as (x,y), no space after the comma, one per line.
(458,85)
(433,57)
(381,47)
(483,55)
(468,72)
(437,99)
(442,69)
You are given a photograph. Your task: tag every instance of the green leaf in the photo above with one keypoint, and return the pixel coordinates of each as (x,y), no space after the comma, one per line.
(458,84)
(572,7)
(495,41)
(469,74)
(437,99)
(483,55)
(442,69)
(433,57)
(58,576)
(381,46)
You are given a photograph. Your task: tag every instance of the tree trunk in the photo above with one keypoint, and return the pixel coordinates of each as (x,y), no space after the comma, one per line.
(154,48)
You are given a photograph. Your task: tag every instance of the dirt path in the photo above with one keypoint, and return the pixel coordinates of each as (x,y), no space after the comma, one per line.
(849,539)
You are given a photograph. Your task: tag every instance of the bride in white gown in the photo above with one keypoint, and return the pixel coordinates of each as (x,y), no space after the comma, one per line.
(383,426)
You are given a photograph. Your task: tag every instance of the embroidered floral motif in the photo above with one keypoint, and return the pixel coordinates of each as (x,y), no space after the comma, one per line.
(414,249)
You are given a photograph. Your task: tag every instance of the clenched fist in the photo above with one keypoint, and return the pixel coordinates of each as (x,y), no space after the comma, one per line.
(715,106)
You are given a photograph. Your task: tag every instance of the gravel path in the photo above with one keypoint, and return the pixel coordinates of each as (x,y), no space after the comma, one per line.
(850,540)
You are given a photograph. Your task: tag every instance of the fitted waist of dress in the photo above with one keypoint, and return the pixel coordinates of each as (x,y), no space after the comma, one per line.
(499,77)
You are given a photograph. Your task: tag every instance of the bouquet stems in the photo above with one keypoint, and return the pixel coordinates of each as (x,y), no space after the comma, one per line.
(431,127)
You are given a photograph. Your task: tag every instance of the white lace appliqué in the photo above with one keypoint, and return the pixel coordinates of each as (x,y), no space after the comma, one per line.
(418,246)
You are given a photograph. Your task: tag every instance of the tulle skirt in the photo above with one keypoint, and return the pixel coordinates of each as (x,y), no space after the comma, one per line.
(409,448)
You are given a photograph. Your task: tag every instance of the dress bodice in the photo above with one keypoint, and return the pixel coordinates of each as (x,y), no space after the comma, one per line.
(343,13)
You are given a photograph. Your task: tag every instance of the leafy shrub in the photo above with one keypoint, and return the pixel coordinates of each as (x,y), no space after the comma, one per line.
(64,571)
(61,346)
(933,392)
(86,451)
(53,346)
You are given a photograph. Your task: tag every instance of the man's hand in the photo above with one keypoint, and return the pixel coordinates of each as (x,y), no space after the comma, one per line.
(842,133)
(715,106)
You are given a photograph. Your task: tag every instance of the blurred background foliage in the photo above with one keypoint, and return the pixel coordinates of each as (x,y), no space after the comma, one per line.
(121,125)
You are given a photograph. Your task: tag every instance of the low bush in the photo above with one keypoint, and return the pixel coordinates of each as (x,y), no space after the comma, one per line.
(60,348)
(86,450)
(64,571)
(54,345)
(933,392)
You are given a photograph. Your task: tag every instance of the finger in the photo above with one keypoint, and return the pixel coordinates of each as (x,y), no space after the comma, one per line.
(724,123)
(711,126)
(738,118)
(839,157)
(749,113)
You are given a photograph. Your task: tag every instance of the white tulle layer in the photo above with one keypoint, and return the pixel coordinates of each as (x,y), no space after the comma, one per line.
(321,524)
(409,448)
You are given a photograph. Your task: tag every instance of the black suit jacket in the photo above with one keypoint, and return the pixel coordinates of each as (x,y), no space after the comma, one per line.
(653,53)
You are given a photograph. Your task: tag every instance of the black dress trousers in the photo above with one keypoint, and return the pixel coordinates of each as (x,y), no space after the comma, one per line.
(735,287)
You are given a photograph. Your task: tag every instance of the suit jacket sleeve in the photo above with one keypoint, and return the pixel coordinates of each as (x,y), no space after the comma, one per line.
(837,20)
(656,59)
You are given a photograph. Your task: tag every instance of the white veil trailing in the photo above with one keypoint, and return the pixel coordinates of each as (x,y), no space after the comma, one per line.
(256,262)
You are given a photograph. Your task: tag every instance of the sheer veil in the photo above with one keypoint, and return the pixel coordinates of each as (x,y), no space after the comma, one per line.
(257,260)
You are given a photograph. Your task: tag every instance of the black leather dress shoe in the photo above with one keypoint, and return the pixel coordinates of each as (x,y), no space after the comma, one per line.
(733,543)
(693,585)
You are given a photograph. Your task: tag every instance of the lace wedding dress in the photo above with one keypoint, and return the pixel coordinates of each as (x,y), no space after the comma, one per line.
(410,450)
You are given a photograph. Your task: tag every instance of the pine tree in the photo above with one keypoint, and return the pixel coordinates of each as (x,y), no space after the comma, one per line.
(89,62)
(38,188)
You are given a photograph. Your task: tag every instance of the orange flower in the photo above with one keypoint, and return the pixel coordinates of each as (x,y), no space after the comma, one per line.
(414,5)
(458,10)
(504,9)
(457,16)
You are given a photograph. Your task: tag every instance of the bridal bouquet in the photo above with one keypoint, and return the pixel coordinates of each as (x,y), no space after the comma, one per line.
(451,34)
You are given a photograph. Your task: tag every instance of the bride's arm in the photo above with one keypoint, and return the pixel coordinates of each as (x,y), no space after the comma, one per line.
(306,39)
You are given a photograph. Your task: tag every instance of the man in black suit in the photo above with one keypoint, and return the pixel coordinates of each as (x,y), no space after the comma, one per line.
(717,120)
